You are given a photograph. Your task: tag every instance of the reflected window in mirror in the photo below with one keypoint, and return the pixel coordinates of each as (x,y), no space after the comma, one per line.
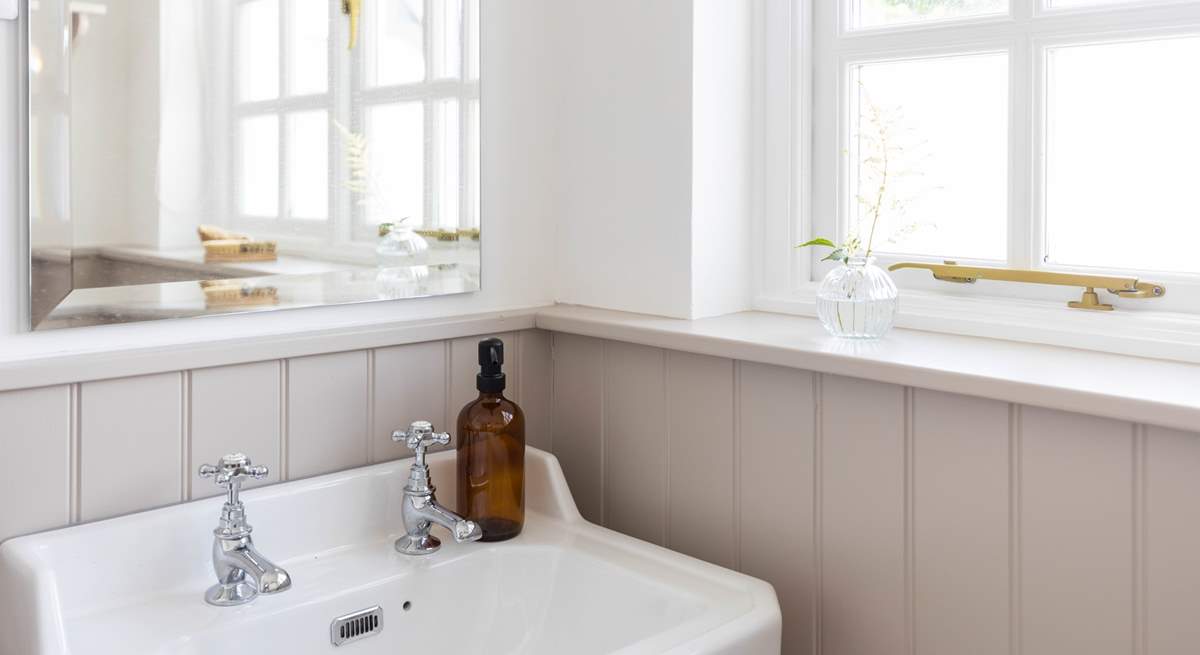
(193,157)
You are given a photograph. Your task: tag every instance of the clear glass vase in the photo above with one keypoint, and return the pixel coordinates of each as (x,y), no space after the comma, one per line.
(858,300)
(400,245)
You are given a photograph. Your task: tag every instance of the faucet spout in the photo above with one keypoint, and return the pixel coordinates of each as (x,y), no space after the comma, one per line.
(462,529)
(238,561)
(243,572)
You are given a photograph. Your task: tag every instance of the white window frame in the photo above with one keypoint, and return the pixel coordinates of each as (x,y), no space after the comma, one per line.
(344,232)
(801,89)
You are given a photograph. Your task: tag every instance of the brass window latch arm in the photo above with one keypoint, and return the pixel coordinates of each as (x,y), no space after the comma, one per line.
(1125,287)
(353,9)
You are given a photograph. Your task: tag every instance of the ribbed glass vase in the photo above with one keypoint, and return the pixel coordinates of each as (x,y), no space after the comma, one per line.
(858,300)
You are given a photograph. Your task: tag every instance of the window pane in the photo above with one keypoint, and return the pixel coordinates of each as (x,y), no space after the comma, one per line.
(473,38)
(258,188)
(929,156)
(474,191)
(1121,144)
(396,152)
(308,165)
(258,50)
(447,46)
(880,13)
(449,159)
(395,47)
(308,47)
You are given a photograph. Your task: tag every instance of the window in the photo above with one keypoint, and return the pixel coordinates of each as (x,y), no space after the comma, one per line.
(410,88)
(1053,134)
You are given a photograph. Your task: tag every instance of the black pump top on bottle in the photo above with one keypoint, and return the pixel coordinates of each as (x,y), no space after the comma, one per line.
(491,360)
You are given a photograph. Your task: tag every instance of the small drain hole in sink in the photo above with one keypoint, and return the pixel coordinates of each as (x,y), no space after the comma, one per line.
(406,606)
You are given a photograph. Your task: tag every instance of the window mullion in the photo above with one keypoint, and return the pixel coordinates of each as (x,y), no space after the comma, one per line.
(465,213)
(283,209)
(1022,217)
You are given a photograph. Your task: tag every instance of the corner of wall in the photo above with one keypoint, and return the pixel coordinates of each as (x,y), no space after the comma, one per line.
(722,157)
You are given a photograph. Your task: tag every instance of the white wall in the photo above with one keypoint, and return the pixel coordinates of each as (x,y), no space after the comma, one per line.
(722,164)
(624,155)
(654,156)
(518,168)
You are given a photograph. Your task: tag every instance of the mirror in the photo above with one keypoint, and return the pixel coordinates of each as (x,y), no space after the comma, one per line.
(194,157)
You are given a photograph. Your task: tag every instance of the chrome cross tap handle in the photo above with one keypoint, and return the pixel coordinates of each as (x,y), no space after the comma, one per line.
(242,572)
(420,509)
(420,437)
(230,472)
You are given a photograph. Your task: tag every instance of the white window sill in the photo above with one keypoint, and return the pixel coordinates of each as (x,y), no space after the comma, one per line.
(1133,329)
(1129,388)
(1137,389)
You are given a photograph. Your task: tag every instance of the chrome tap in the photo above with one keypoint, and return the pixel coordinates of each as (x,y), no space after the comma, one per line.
(242,572)
(421,509)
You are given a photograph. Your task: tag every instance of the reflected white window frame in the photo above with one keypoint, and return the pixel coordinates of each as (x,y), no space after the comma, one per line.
(296,232)
(345,228)
(464,88)
(803,174)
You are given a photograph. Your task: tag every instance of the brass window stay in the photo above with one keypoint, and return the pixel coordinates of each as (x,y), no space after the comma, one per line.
(1125,287)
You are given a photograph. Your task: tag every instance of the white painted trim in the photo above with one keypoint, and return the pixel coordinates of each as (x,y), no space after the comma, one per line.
(1158,335)
(1003,367)
(819,53)
(37,367)
(1128,388)
(8,9)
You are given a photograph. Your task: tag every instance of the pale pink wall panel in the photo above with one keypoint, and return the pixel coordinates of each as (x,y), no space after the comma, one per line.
(635,440)
(579,419)
(235,409)
(1172,542)
(1077,553)
(327,402)
(700,457)
(776,416)
(37,429)
(960,526)
(536,386)
(409,385)
(862,527)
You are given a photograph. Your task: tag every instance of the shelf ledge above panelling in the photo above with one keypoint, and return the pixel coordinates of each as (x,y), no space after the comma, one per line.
(1140,390)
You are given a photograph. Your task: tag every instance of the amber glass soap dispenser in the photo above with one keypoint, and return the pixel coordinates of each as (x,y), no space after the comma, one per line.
(491,452)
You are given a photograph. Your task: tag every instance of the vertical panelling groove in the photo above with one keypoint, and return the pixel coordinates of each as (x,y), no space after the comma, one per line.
(666,364)
(1014,529)
(1140,563)
(818,527)
(553,398)
(448,419)
(910,593)
(604,433)
(371,405)
(75,447)
(284,428)
(185,433)
(515,367)
(736,461)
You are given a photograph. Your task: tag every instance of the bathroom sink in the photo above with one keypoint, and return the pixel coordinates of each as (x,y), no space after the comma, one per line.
(136,584)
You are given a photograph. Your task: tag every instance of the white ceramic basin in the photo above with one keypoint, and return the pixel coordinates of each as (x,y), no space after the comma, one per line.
(135,584)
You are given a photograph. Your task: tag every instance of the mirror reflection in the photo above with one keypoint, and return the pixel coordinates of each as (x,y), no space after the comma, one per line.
(189,157)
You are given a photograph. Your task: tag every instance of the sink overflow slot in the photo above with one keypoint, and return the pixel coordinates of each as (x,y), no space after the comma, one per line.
(359,625)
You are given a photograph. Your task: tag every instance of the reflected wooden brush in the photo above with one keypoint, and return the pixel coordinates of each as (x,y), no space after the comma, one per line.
(221,245)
